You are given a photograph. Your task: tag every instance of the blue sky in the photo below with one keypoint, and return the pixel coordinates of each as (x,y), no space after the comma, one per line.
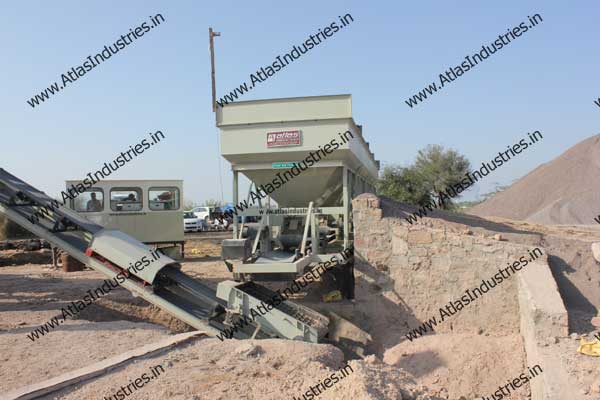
(545,80)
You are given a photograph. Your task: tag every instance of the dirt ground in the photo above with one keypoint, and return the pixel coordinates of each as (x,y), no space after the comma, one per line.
(584,369)
(208,369)
(18,257)
(32,294)
(441,366)
(270,369)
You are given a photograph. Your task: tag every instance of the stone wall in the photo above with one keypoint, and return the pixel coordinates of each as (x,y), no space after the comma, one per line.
(424,266)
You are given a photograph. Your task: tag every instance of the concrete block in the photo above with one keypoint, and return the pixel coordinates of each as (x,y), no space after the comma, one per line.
(543,315)
(542,301)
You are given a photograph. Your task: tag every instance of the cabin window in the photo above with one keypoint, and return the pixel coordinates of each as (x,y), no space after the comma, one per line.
(92,200)
(163,198)
(126,199)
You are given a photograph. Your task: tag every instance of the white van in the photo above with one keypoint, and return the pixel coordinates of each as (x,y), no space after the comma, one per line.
(149,210)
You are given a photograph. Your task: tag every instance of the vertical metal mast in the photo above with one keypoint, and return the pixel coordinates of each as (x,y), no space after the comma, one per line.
(211,35)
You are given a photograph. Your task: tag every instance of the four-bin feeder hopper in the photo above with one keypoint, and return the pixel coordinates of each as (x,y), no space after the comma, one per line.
(306,159)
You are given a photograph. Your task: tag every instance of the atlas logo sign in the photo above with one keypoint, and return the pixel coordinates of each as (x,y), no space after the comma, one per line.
(284,139)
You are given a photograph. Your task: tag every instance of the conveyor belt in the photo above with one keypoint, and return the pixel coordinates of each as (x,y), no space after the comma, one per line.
(15,185)
(193,303)
(193,296)
(302,314)
(169,289)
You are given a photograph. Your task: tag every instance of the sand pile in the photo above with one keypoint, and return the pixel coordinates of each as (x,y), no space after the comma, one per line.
(482,361)
(268,369)
(565,190)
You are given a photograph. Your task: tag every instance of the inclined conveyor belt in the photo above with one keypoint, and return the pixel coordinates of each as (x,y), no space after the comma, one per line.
(191,295)
(181,296)
(107,251)
(303,314)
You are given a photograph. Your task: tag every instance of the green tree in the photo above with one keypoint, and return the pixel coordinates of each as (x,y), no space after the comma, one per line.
(402,184)
(434,169)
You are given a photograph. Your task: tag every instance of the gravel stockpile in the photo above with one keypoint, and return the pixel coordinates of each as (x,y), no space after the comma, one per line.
(565,190)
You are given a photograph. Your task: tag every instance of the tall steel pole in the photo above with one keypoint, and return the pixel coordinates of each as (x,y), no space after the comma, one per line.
(211,35)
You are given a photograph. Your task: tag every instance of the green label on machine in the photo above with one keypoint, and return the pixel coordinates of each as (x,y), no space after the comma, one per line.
(283,165)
